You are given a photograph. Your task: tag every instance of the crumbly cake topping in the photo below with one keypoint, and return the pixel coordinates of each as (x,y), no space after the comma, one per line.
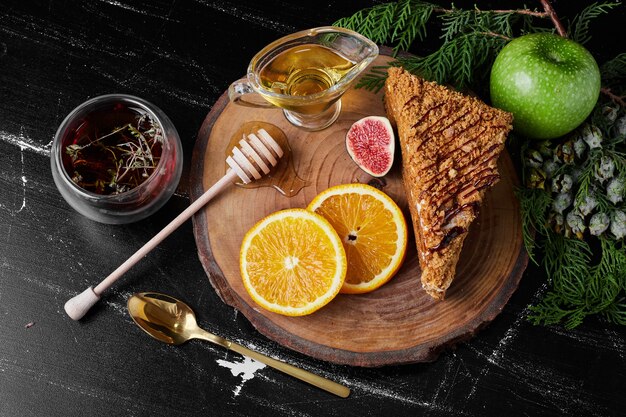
(450,144)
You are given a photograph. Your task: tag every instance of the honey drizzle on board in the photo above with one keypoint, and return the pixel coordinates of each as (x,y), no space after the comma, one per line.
(283,177)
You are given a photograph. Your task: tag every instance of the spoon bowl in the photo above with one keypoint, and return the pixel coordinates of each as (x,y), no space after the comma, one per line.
(173,322)
(162,317)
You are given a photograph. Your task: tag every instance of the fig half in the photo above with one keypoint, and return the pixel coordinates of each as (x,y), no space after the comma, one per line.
(371,144)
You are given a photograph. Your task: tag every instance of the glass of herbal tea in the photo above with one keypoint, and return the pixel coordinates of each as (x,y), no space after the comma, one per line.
(305,74)
(116,158)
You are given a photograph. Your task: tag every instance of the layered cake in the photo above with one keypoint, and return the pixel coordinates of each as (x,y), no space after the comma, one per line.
(450,145)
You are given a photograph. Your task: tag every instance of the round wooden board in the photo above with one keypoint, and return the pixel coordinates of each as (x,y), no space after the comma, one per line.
(398,323)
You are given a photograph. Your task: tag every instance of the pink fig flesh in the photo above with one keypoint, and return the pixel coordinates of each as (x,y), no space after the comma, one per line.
(371,144)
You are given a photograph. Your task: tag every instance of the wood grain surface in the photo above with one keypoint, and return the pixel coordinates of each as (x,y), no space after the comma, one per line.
(398,323)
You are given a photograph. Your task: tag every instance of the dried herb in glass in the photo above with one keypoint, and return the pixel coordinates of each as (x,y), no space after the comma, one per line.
(119,159)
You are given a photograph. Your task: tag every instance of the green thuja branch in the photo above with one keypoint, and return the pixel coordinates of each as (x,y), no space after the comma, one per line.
(398,23)
(534,205)
(579,29)
(471,38)
(412,18)
(456,60)
(578,289)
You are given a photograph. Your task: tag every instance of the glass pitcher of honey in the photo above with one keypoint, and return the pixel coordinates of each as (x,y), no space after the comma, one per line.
(305,74)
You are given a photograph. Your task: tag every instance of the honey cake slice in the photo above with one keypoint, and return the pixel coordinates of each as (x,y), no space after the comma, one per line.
(450,144)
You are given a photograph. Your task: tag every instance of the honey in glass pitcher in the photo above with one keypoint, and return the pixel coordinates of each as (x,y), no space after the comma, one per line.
(305,74)
(304,70)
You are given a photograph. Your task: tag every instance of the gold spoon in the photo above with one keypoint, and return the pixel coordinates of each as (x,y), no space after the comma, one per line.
(171,321)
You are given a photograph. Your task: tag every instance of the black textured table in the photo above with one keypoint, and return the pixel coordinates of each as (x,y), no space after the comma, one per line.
(181,55)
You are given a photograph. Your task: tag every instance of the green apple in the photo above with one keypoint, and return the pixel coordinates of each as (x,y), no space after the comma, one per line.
(549,83)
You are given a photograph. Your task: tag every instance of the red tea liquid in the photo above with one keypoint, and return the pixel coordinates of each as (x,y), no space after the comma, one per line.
(113,149)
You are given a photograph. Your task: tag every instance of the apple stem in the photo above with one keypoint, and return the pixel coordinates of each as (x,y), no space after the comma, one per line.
(547,6)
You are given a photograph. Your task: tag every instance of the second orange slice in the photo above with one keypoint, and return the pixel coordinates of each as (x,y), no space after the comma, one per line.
(372,229)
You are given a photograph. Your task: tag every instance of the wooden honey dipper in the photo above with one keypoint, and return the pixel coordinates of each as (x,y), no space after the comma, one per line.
(258,154)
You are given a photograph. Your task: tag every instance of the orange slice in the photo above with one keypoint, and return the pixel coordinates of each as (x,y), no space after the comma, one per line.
(292,262)
(372,229)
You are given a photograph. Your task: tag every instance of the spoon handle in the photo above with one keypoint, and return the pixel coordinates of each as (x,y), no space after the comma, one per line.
(306,376)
